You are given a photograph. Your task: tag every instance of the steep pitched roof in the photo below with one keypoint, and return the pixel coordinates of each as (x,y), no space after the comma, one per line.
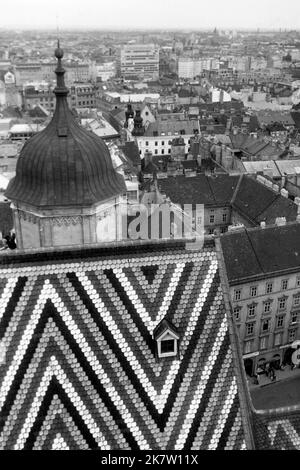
(201,189)
(261,252)
(80,357)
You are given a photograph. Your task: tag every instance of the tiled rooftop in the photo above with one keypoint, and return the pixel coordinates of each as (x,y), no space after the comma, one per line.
(80,369)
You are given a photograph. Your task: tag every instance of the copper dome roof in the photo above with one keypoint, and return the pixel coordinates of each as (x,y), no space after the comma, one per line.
(64,165)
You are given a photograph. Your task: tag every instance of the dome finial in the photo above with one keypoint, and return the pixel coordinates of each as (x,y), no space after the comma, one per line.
(61,88)
(59,53)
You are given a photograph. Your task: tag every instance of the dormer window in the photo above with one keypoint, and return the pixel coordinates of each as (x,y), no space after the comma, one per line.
(166,339)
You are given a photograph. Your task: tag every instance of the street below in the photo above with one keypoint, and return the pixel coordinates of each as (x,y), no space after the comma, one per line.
(277,394)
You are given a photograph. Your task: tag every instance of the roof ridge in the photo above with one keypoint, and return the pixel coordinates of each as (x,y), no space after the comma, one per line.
(232,201)
(277,196)
(256,257)
(213,194)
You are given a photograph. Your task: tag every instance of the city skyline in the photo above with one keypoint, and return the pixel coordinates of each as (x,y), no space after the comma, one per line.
(265,15)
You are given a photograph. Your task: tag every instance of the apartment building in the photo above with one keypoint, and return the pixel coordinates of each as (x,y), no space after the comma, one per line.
(139,61)
(81,95)
(158,136)
(263,271)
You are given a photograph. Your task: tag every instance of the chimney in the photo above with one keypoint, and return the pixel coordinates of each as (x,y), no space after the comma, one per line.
(147,158)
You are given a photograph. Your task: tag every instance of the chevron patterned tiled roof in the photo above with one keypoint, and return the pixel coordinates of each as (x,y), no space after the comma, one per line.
(79,369)
(277,429)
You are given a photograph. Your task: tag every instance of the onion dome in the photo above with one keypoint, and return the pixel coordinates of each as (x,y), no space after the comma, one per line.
(65,164)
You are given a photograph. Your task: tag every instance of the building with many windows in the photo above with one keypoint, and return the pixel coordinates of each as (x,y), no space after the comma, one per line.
(139,61)
(263,270)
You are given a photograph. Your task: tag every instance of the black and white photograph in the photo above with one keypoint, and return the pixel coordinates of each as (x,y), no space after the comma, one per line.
(150,228)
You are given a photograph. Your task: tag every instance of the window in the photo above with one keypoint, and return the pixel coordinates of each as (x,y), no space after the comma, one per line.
(237,294)
(292,335)
(236,313)
(147,143)
(156,143)
(163,142)
(267,306)
(282,303)
(250,328)
(296,300)
(279,322)
(162,151)
(251,310)
(294,317)
(132,195)
(211,219)
(263,343)
(253,291)
(223,229)
(247,347)
(167,346)
(265,325)
(224,217)
(298,281)
(269,287)
(284,284)
(277,339)
(156,151)
(210,231)
(167,341)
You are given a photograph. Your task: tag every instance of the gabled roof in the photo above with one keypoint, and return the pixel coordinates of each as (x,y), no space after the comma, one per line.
(259,203)
(256,252)
(165,126)
(164,326)
(80,357)
(201,189)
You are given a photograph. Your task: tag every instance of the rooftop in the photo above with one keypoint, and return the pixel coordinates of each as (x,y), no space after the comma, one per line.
(261,252)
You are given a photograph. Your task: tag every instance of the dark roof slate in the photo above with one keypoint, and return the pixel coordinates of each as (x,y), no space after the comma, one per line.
(256,252)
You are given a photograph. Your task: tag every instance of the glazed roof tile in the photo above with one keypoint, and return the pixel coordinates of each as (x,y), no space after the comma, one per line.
(80,368)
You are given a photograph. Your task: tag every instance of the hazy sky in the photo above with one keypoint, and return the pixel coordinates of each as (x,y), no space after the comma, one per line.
(151,13)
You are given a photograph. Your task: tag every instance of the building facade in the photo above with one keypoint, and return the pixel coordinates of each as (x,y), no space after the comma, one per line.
(139,61)
(264,292)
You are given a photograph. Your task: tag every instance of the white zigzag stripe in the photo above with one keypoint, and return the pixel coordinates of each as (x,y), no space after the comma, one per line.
(19,312)
(158,400)
(135,334)
(234,432)
(57,408)
(59,443)
(48,291)
(54,369)
(211,408)
(193,364)
(133,296)
(22,346)
(106,316)
(50,331)
(7,293)
(202,384)
(224,415)
(289,430)
(150,288)
(93,330)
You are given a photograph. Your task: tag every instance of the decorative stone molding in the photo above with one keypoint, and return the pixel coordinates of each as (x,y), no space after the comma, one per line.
(66,220)
(28,217)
